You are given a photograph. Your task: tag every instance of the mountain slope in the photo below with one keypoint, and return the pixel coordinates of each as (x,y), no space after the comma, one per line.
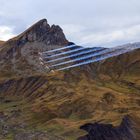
(1,43)
(62,104)
(56,105)
(21,53)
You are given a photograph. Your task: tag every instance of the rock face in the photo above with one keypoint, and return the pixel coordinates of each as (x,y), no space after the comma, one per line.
(42,32)
(21,52)
(126,131)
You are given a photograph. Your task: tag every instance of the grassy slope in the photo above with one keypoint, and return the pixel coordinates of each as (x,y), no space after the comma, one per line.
(61,107)
(60,103)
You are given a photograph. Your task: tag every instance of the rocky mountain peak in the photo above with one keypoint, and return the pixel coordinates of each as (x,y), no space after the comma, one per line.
(42,31)
(36,31)
(25,47)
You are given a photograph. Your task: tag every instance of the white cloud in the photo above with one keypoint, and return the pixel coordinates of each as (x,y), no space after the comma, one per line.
(72,28)
(6,33)
(108,38)
(73,31)
(97,22)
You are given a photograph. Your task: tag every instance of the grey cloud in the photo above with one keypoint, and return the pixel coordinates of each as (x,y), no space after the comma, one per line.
(80,19)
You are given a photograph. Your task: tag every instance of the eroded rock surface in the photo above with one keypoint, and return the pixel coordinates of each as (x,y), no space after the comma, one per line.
(126,131)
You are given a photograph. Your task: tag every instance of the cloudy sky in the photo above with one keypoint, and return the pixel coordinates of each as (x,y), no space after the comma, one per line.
(91,22)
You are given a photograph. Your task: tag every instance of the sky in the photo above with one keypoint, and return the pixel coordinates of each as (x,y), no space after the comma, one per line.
(105,23)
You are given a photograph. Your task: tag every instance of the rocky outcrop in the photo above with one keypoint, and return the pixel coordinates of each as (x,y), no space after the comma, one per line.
(22,52)
(126,131)
(42,32)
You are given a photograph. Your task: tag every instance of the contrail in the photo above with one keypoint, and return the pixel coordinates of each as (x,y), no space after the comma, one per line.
(92,55)
(77,54)
(54,50)
(68,52)
(62,48)
(99,58)
(85,57)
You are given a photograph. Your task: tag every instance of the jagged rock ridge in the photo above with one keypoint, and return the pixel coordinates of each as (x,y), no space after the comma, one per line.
(128,130)
(22,51)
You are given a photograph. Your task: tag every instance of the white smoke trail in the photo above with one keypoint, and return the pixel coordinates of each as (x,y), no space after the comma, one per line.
(101,58)
(68,52)
(54,50)
(85,51)
(88,56)
(65,47)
